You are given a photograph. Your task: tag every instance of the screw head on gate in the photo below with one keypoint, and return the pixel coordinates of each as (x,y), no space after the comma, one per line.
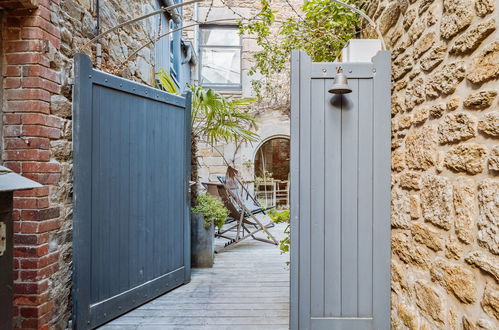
(340,84)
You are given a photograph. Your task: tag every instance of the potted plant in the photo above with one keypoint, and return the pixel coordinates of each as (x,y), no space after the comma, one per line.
(208,213)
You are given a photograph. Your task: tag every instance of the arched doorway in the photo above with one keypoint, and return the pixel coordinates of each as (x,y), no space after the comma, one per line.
(272,172)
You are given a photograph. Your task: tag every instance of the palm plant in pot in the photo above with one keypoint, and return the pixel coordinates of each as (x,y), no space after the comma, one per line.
(215,118)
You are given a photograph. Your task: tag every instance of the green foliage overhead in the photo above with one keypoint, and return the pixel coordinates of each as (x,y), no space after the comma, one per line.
(212,209)
(214,116)
(321,30)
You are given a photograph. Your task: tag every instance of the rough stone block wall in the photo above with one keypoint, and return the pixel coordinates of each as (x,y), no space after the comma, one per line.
(39,38)
(445,161)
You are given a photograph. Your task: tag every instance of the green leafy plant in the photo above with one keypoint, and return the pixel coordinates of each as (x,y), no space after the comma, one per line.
(282,217)
(212,209)
(215,118)
(321,28)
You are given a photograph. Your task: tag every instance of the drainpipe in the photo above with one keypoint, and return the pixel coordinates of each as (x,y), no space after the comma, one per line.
(173,13)
(194,72)
(97,17)
(98,46)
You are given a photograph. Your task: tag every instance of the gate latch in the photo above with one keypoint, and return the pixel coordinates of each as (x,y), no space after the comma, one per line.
(3,238)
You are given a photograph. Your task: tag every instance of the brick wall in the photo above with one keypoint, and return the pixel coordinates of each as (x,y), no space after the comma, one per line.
(445,162)
(29,127)
(39,39)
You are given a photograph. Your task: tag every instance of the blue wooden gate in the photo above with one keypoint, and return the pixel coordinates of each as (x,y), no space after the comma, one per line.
(340,196)
(131,208)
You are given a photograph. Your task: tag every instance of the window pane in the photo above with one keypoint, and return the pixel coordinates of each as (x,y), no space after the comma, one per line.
(220,66)
(220,37)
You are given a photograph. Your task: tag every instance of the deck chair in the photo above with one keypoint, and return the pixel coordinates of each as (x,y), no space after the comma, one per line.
(243,210)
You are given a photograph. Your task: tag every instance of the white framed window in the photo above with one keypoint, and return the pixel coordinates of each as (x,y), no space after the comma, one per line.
(220,57)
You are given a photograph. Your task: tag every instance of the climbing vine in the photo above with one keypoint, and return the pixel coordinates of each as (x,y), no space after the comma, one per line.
(321,28)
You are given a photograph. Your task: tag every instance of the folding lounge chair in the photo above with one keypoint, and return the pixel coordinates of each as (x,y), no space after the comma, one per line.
(248,199)
(243,211)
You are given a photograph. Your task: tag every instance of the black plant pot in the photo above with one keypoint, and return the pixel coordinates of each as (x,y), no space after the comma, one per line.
(202,251)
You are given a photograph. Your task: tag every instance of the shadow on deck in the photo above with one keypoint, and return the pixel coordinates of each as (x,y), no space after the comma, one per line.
(248,288)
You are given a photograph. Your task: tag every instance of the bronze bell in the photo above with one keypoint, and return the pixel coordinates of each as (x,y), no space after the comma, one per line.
(340,84)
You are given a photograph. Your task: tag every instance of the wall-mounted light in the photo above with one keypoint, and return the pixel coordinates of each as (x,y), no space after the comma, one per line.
(340,84)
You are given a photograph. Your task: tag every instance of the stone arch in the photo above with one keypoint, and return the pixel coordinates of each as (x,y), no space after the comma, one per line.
(271,170)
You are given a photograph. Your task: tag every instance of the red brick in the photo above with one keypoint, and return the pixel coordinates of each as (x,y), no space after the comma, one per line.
(27,58)
(38,33)
(39,263)
(28,106)
(11,119)
(13,34)
(12,20)
(28,154)
(43,214)
(37,21)
(29,239)
(41,131)
(41,119)
(29,227)
(31,203)
(11,130)
(39,274)
(31,288)
(37,192)
(12,82)
(16,275)
(25,46)
(31,251)
(40,323)
(50,225)
(27,94)
(27,143)
(30,300)
(14,166)
(44,178)
(36,82)
(37,311)
(43,13)
(13,71)
(41,167)
(40,71)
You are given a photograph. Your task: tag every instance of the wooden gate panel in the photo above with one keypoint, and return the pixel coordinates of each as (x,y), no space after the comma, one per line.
(131,222)
(340,261)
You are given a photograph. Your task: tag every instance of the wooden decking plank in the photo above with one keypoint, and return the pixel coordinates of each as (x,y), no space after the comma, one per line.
(247,289)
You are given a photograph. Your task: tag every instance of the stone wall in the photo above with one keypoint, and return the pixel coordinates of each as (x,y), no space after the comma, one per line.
(272,112)
(445,162)
(39,40)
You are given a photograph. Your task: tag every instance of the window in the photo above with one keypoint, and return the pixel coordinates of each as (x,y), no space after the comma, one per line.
(220,48)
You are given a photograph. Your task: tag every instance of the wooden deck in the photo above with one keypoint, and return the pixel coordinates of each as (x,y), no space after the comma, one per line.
(248,288)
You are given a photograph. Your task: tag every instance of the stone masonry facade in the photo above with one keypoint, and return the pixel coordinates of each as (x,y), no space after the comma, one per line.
(38,40)
(445,161)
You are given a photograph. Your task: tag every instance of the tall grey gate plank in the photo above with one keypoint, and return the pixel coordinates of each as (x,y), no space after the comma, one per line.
(349,170)
(340,212)
(131,222)
(317,199)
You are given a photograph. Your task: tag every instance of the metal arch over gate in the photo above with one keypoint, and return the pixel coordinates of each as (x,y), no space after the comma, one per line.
(131,217)
(340,196)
